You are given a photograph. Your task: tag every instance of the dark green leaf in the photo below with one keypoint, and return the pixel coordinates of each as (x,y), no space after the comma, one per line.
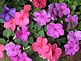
(1,20)
(7,33)
(2,41)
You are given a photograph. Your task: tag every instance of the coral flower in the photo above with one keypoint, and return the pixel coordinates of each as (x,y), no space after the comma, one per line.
(11,24)
(1,50)
(39,3)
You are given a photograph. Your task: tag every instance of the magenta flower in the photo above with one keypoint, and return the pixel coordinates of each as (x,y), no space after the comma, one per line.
(78,35)
(62,9)
(23,34)
(12,49)
(41,17)
(7,13)
(55,30)
(73,19)
(71,47)
(19,57)
(52,11)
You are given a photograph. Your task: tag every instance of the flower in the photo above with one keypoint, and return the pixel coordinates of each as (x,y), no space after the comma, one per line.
(62,9)
(39,3)
(78,35)
(54,30)
(40,46)
(1,50)
(23,34)
(12,49)
(11,24)
(71,19)
(7,13)
(56,52)
(71,47)
(41,17)
(19,57)
(21,18)
(52,11)
(46,51)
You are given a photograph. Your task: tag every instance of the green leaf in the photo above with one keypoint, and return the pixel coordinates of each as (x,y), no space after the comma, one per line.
(7,33)
(17,41)
(30,40)
(1,20)
(2,41)
(79,26)
(61,1)
(38,58)
(41,33)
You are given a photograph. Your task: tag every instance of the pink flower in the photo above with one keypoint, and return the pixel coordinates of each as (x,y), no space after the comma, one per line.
(55,30)
(56,52)
(62,9)
(39,3)
(19,57)
(1,50)
(11,24)
(21,19)
(40,46)
(23,34)
(46,51)
(41,17)
(71,19)
(12,49)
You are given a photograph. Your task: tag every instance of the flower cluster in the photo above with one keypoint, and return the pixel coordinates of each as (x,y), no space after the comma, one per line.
(52,20)
(46,51)
(72,45)
(14,52)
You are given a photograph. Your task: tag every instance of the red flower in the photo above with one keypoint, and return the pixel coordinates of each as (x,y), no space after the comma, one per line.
(39,3)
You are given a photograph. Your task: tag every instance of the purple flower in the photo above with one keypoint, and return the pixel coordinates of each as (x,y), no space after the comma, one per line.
(73,19)
(12,49)
(62,9)
(78,35)
(23,34)
(21,57)
(55,30)
(7,13)
(52,11)
(41,17)
(71,47)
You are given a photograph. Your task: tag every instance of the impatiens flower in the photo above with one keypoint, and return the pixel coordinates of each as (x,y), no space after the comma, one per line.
(23,34)
(7,13)
(55,30)
(12,49)
(78,35)
(20,19)
(71,47)
(56,52)
(39,3)
(41,17)
(19,57)
(71,19)
(52,11)
(40,46)
(46,51)
(1,50)
(11,24)
(62,9)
